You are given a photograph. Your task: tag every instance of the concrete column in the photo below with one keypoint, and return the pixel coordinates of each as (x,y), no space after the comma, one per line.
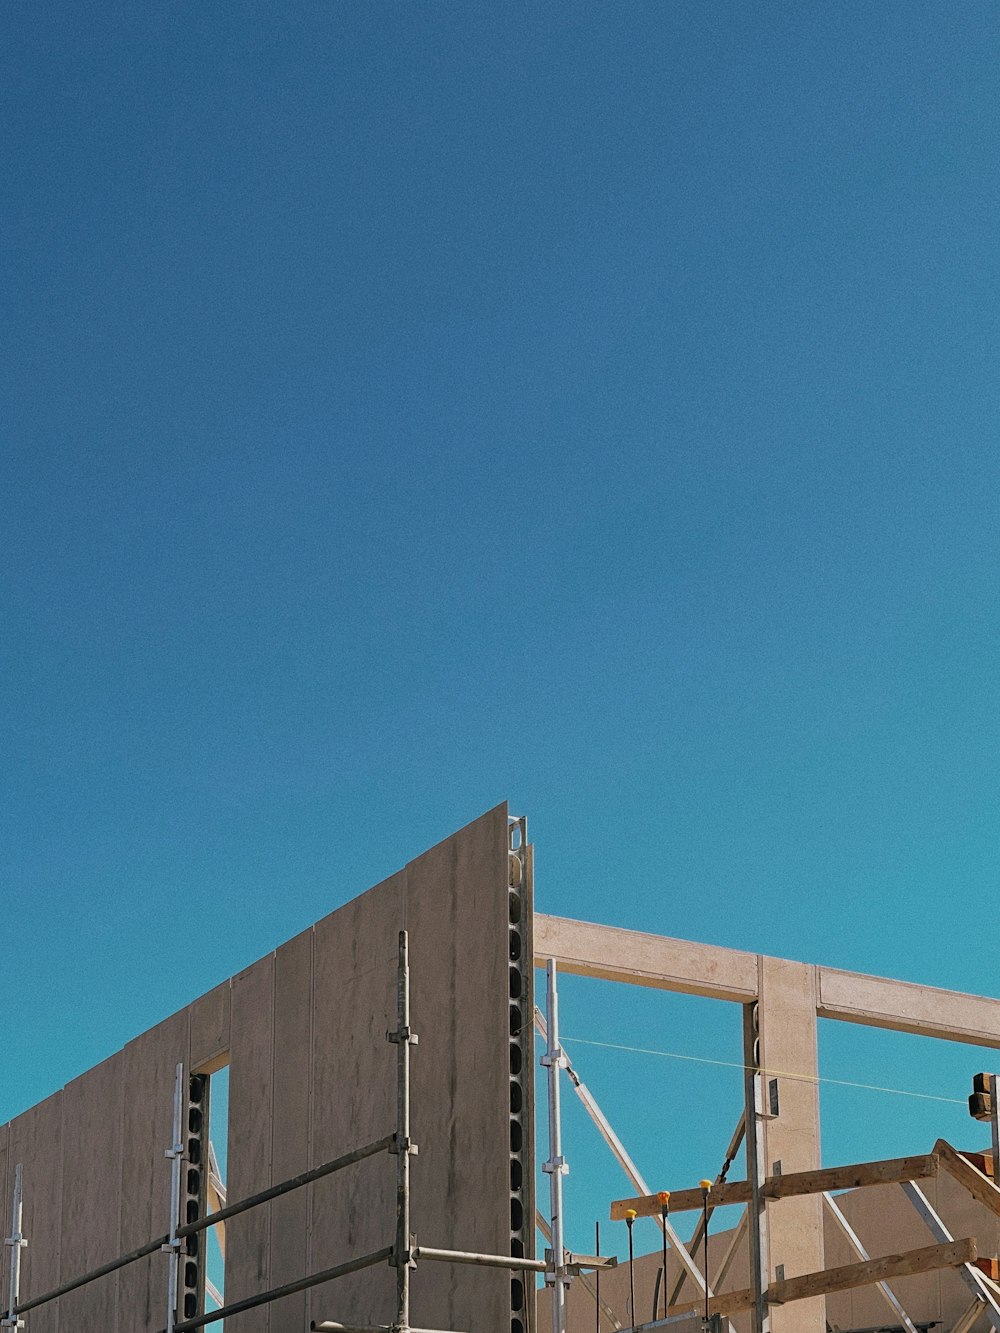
(786,1022)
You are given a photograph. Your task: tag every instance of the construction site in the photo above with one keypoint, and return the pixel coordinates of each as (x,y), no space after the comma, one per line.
(383,1070)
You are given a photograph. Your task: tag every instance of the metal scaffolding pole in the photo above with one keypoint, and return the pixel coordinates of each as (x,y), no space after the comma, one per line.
(621,1155)
(175,1154)
(403,1038)
(17,1243)
(554,1060)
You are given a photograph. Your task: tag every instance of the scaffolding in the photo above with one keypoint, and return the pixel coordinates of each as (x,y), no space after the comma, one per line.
(560,1265)
(402,1253)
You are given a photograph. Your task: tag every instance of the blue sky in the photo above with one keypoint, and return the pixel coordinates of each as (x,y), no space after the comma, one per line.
(412,406)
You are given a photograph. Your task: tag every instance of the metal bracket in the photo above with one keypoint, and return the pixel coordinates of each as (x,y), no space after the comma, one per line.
(556,1164)
(403,1034)
(399,1145)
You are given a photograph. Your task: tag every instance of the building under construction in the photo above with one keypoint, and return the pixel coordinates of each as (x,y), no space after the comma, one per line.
(380,1171)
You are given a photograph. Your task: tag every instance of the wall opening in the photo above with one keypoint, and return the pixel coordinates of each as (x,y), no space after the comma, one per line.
(217,1175)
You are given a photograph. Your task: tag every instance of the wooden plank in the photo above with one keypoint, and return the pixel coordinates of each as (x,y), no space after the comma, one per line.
(682,1201)
(641,959)
(951,1255)
(891,1171)
(982,1161)
(980,1186)
(903,1006)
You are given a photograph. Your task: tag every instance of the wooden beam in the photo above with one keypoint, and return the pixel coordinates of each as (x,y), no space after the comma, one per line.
(683,1201)
(632,956)
(891,1171)
(951,1255)
(980,1186)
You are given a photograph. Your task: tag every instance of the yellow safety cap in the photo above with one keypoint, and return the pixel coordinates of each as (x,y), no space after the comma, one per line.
(705,1184)
(664,1197)
(630,1214)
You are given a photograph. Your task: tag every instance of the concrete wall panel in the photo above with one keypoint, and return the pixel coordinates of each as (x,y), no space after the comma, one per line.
(312,1076)
(36,1142)
(248,1237)
(456,901)
(6,1190)
(91,1192)
(353,1099)
(209,1030)
(148,1074)
(290,1128)
(456,896)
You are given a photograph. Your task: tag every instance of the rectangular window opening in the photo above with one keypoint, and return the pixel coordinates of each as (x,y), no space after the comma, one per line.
(218,1166)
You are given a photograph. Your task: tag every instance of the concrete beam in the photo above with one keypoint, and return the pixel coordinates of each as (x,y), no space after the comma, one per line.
(633,956)
(903,1006)
(641,959)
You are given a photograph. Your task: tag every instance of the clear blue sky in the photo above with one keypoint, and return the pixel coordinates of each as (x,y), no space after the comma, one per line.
(409,406)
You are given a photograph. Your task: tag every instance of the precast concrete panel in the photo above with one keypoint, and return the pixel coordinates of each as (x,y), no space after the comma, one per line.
(6,1192)
(290,1124)
(313,1076)
(36,1143)
(148,1075)
(91,1193)
(251,1082)
(353,1099)
(208,1047)
(456,914)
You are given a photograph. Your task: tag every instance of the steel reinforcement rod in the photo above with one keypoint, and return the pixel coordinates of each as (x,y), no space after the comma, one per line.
(287,1289)
(202,1223)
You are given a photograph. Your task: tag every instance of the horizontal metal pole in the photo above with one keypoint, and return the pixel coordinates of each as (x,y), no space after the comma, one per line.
(203,1223)
(331,1326)
(111,1267)
(294,1183)
(287,1289)
(484,1260)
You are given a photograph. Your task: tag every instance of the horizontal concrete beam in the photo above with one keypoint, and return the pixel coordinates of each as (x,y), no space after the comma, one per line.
(904,1006)
(642,959)
(632,956)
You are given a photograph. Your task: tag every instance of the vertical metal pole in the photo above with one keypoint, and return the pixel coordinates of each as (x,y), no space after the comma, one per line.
(753,1087)
(176,1155)
(556,1167)
(597,1279)
(17,1243)
(402,1257)
(995,1127)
